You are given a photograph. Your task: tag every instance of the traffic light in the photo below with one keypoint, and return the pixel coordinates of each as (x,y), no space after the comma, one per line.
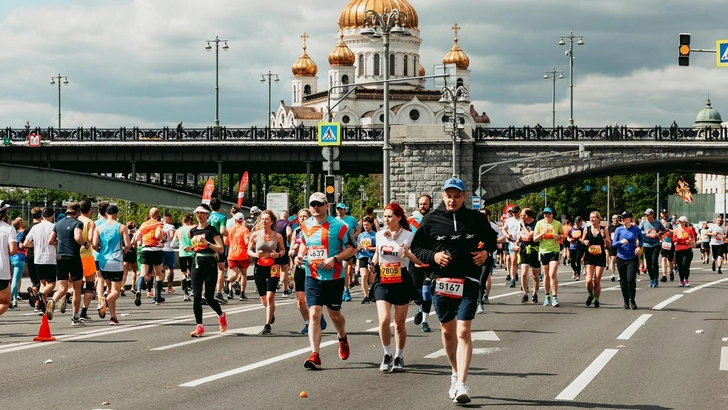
(6,140)
(330,188)
(683,51)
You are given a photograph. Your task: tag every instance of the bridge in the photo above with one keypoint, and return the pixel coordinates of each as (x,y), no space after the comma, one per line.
(421,155)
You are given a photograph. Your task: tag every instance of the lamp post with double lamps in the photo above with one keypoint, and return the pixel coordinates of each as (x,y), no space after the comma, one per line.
(58,78)
(570,54)
(262,80)
(225,47)
(552,75)
(382,26)
(451,96)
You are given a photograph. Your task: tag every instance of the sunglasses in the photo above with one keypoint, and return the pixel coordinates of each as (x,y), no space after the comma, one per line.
(317,204)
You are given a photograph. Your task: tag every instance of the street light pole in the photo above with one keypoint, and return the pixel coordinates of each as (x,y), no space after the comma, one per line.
(59,77)
(382,25)
(570,54)
(552,74)
(450,97)
(262,80)
(225,47)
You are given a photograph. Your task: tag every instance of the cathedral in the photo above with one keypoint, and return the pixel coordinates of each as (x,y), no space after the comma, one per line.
(357,61)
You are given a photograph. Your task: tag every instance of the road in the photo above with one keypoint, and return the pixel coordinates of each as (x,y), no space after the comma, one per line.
(671,353)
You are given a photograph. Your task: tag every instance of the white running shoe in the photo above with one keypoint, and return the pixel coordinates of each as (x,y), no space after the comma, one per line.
(462,394)
(453,385)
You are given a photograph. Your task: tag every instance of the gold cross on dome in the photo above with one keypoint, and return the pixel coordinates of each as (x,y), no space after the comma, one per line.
(456,28)
(305,37)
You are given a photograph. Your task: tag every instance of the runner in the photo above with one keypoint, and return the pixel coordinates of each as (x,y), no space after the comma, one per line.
(596,240)
(238,261)
(704,243)
(44,258)
(353,225)
(101,284)
(37,215)
(231,287)
(130,258)
(206,243)
(487,271)
(283,227)
(299,275)
(548,233)
(421,276)
(111,241)
(652,231)
(367,244)
(168,260)
(266,246)
(88,261)
(67,236)
(616,223)
(512,231)
(576,252)
(369,211)
(182,242)
(151,233)
(217,220)
(564,246)
(627,245)
(529,255)
(17,262)
(667,253)
(455,241)
(8,248)
(252,220)
(684,239)
(393,285)
(325,243)
(717,234)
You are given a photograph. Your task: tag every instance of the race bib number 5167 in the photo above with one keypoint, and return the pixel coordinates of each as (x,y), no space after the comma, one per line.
(450,287)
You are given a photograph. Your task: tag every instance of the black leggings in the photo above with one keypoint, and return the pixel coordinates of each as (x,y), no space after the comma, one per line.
(484,273)
(652,259)
(628,277)
(683,260)
(206,274)
(575,256)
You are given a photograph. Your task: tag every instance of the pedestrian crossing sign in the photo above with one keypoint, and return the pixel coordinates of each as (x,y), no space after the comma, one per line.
(329,134)
(721,53)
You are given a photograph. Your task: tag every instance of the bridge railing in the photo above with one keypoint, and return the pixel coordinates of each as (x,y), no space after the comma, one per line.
(600,134)
(371,133)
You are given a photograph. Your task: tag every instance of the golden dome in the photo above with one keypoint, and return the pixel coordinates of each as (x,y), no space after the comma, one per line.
(456,55)
(353,14)
(304,66)
(422,71)
(341,55)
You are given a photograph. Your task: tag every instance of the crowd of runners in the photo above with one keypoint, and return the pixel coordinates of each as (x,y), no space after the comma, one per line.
(441,257)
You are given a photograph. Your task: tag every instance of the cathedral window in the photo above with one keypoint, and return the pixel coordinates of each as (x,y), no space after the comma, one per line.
(392,61)
(361,65)
(307,90)
(404,71)
(377,64)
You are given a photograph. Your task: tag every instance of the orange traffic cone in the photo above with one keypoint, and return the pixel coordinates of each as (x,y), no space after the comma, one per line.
(44,333)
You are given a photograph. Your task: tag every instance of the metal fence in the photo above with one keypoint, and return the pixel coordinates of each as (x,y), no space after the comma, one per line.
(600,134)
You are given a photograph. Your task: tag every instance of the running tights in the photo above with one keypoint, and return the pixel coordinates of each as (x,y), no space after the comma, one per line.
(207,276)
(628,277)
(575,256)
(484,273)
(652,260)
(683,260)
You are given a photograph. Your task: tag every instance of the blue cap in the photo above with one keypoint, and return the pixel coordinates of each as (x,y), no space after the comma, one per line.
(454,183)
(60,216)
(548,210)
(341,205)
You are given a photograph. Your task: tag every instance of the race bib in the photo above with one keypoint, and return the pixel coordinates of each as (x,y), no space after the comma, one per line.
(390,273)
(667,246)
(197,244)
(576,234)
(317,253)
(365,243)
(275,271)
(595,250)
(652,234)
(450,287)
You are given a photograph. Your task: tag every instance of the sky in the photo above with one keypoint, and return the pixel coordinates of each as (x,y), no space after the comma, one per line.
(143,62)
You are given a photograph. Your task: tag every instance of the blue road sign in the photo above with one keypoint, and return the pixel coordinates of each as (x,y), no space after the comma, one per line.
(587,188)
(604,188)
(630,189)
(721,53)
(329,134)
(476,202)
(542,195)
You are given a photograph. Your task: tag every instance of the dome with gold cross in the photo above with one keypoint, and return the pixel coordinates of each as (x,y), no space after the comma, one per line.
(354,14)
(456,55)
(304,66)
(341,55)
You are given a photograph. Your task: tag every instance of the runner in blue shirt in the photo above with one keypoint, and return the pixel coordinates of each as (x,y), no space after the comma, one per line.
(353,225)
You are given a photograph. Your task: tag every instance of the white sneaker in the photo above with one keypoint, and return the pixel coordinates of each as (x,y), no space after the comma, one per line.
(453,385)
(462,394)
(480,309)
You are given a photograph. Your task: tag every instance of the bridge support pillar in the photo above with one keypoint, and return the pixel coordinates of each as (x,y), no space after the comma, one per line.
(219,179)
(133,171)
(422,161)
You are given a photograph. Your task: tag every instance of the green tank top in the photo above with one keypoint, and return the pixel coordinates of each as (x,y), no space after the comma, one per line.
(185,241)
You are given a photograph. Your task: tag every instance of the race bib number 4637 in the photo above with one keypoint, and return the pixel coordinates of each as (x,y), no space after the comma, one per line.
(450,287)
(317,253)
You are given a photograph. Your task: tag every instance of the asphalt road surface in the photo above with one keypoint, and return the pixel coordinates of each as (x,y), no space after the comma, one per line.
(671,353)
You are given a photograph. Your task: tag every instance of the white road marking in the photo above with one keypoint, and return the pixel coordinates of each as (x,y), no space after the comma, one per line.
(632,329)
(253,366)
(724,358)
(583,380)
(697,288)
(612,288)
(376,329)
(487,335)
(666,302)
(209,336)
(476,350)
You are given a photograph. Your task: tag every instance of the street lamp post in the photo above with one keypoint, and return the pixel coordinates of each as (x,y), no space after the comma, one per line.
(451,96)
(262,80)
(382,25)
(225,47)
(570,54)
(59,77)
(552,74)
